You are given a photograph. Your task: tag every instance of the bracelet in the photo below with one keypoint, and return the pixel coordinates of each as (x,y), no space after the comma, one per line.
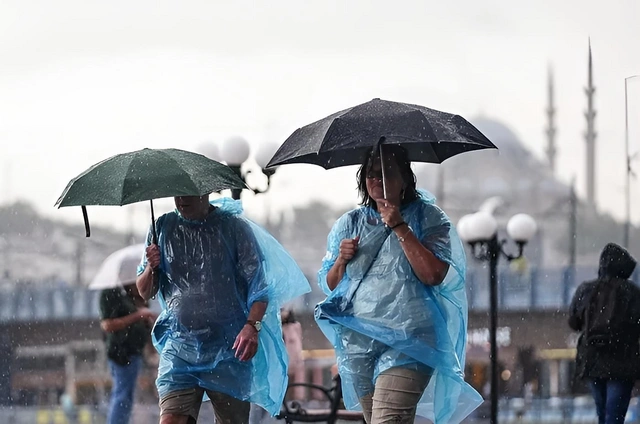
(398,224)
(402,237)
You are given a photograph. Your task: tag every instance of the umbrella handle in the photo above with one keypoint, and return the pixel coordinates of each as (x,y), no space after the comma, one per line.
(382,168)
(85,216)
(154,233)
(153,225)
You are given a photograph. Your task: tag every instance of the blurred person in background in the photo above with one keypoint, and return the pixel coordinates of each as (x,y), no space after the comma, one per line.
(292,334)
(606,312)
(126,322)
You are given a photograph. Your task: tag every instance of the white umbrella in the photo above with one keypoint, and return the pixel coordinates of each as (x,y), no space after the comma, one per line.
(119,269)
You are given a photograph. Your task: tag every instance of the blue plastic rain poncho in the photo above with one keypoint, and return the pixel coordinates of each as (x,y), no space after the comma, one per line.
(381,316)
(212,272)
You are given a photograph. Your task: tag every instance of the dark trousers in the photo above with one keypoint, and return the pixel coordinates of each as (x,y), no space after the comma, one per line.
(612,399)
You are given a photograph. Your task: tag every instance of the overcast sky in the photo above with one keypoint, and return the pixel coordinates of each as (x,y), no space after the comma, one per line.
(83,80)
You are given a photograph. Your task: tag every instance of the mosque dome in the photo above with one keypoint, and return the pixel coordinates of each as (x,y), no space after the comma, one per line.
(512,171)
(501,135)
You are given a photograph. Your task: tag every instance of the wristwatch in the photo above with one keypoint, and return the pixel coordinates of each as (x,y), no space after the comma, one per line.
(256,324)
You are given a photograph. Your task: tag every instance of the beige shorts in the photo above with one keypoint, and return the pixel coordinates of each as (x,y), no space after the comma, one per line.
(396,396)
(227,409)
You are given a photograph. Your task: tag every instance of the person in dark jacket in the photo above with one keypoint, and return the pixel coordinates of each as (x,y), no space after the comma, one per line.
(606,312)
(127,323)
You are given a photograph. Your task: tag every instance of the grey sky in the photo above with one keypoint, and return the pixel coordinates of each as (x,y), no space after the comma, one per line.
(83,80)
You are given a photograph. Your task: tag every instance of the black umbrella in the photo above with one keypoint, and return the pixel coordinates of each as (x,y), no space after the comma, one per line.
(343,138)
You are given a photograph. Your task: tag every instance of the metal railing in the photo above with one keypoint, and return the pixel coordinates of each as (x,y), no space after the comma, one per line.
(536,289)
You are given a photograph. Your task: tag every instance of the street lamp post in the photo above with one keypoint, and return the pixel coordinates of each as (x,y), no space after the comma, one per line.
(480,230)
(629,158)
(235,151)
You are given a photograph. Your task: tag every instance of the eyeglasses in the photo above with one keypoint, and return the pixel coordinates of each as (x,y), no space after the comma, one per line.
(377,173)
(371,174)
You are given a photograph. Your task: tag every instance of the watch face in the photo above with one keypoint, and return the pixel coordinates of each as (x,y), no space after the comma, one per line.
(258,325)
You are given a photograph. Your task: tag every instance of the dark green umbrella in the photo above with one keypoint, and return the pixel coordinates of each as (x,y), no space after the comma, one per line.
(147,174)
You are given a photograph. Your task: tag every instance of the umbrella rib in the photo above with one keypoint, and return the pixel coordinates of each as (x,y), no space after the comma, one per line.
(61,199)
(331,129)
(132,166)
(124,182)
(179,165)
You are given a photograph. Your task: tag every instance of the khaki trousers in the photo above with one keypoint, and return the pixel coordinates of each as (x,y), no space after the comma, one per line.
(227,409)
(395,397)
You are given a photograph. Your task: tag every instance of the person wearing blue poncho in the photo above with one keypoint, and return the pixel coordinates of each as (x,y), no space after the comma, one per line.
(221,282)
(396,309)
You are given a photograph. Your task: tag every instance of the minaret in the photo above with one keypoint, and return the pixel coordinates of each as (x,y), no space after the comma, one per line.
(551,126)
(590,136)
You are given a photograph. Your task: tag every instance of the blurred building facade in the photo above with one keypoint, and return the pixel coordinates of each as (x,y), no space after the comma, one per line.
(52,346)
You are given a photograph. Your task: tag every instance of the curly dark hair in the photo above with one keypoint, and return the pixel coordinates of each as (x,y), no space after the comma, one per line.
(400,155)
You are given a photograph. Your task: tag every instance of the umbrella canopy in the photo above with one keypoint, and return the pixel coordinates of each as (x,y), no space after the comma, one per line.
(147,174)
(343,138)
(119,269)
